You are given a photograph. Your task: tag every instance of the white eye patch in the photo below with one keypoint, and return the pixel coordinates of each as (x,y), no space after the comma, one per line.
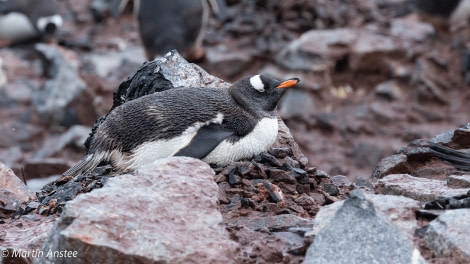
(256,82)
(43,21)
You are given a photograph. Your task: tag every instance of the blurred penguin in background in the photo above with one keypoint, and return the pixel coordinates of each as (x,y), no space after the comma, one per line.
(28,20)
(175,24)
(456,13)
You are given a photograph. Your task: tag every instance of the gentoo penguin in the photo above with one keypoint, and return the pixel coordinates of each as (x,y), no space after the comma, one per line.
(455,11)
(216,125)
(22,20)
(176,24)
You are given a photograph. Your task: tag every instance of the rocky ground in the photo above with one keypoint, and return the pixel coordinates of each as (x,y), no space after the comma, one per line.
(375,77)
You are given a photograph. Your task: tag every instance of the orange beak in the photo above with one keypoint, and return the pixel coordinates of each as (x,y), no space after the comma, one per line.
(288,83)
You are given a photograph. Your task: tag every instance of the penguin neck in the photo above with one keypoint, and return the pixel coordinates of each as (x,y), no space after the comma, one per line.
(252,107)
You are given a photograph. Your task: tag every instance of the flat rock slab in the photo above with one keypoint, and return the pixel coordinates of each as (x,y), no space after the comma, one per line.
(22,238)
(421,189)
(399,210)
(358,234)
(13,192)
(448,235)
(462,181)
(165,213)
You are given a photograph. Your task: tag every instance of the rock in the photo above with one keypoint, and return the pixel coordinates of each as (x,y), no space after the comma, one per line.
(24,236)
(399,210)
(60,89)
(180,73)
(3,74)
(459,181)
(362,232)
(105,64)
(75,136)
(285,139)
(366,155)
(45,167)
(274,223)
(297,104)
(383,113)
(134,231)
(389,165)
(420,189)
(410,29)
(280,152)
(11,156)
(18,91)
(228,63)
(448,235)
(370,51)
(36,184)
(277,175)
(13,192)
(389,90)
(317,50)
(455,137)
(340,180)
(18,133)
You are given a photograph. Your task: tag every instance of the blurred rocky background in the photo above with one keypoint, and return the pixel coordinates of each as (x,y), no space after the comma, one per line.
(375,76)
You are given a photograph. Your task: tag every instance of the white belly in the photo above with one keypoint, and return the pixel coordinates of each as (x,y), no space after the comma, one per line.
(16,27)
(260,139)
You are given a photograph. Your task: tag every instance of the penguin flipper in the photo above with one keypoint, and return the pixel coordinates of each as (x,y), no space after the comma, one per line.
(206,139)
(459,159)
(84,166)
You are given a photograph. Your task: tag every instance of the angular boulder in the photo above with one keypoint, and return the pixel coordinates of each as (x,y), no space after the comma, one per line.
(362,235)
(13,192)
(165,213)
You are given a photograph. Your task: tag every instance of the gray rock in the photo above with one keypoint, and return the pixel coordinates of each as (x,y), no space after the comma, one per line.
(273,223)
(13,192)
(317,50)
(180,73)
(420,189)
(60,89)
(447,235)
(285,139)
(104,64)
(462,181)
(366,155)
(411,30)
(399,210)
(228,63)
(296,103)
(166,213)
(389,90)
(340,180)
(448,136)
(363,235)
(76,135)
(389,165)
(369,51)
(45,167)
(24,236)
(17,133)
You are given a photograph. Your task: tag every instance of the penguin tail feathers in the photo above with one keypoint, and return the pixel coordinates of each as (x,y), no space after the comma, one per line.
(85,165)
(459,159)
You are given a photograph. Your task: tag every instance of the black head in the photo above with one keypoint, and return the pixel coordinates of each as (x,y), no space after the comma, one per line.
(260,92)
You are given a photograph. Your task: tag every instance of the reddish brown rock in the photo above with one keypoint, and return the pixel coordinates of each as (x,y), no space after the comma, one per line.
(13,192)
(166,213)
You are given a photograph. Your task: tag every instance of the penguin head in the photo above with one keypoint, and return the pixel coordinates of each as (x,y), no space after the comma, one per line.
(48,25)
(260,92)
